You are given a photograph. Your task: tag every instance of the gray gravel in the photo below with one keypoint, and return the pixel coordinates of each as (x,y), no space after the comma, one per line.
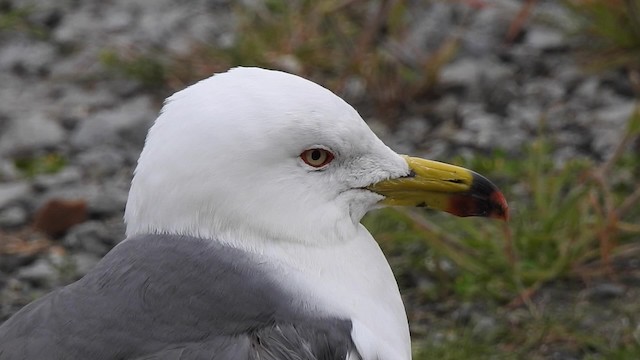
(57,97)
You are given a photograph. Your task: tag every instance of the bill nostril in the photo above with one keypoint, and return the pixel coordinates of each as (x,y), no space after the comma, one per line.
(411,174)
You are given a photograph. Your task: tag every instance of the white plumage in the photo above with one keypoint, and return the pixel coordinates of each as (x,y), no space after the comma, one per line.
(244,238)
(222,162)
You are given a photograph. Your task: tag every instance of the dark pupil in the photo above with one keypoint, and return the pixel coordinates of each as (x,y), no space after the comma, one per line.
(315,154)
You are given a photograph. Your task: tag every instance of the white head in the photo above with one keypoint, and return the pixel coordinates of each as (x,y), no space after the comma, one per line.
(223,160)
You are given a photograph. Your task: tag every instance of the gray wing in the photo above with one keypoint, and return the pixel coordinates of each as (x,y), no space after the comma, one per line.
(172,297)
(322,340)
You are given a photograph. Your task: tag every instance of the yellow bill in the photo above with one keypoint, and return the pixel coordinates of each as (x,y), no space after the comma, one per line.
(444,187)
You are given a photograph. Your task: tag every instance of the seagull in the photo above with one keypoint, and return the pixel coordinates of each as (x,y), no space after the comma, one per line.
(243,235)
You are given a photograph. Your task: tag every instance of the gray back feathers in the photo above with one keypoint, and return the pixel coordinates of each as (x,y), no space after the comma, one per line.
(173,297)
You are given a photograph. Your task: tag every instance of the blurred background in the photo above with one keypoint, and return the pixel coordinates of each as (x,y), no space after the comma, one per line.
(540,96)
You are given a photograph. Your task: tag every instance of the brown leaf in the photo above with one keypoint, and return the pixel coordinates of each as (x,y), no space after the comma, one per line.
(56,216)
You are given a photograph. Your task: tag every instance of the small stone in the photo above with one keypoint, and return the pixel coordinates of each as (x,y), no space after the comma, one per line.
(379,128)
(486,128)
(484,327)
(605,291)
(13,216)
(66,176)
(465,72)
(74,27)
(30,133)
(545,92)
(127,123)
(109,201)
(84,262)
(288,63)
(429,33)
(90,236)
(8,171)
(355,88)
(494,73)
(569,74)
(545,38)
(4,279)
(616,114)
(463,313)
(115,231)
(26,57)
(609,126)
(518,316)
(587,90)
(527,116)
(101,162)
(41,272)
(447,108)
(10,263)
(56,216)
(11,192)
(413,129)
(118,20)
(485,33)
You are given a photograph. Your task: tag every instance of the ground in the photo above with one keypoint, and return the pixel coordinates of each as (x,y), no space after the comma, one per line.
(496,85)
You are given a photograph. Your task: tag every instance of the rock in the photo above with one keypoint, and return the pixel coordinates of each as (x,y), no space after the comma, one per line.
(568,74)
(84,262)
(8,171)
(13,217)
(75,25)
(66,176)
(463,313)
(115,231)
(545,38)
(47,16)
(432,28)
(616,114)
(485,327)
(604,291)
(587,90)
(288,63)
(26,57)
(73,103)
(101,162)
(128,123)
(77,191)
(437,150)
(518,317)
(413,129)
(544,91)
(4,279)
(355,89)
(487,29)
(480,128)
(464,72)
(30,133)
(447,108)
(498,87)
(494,73)
(56,216)
(11,192)
(10,263)
(42,272)
(111,200)
(608,126)
(527,116)
(118,20)
(90,236)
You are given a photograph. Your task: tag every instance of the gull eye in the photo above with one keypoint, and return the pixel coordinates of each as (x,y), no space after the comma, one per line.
(316,157)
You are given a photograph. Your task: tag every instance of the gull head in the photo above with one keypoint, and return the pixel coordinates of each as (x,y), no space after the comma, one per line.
(254,153)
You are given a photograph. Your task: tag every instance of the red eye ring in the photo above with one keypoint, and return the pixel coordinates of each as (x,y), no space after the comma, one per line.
(316,157)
